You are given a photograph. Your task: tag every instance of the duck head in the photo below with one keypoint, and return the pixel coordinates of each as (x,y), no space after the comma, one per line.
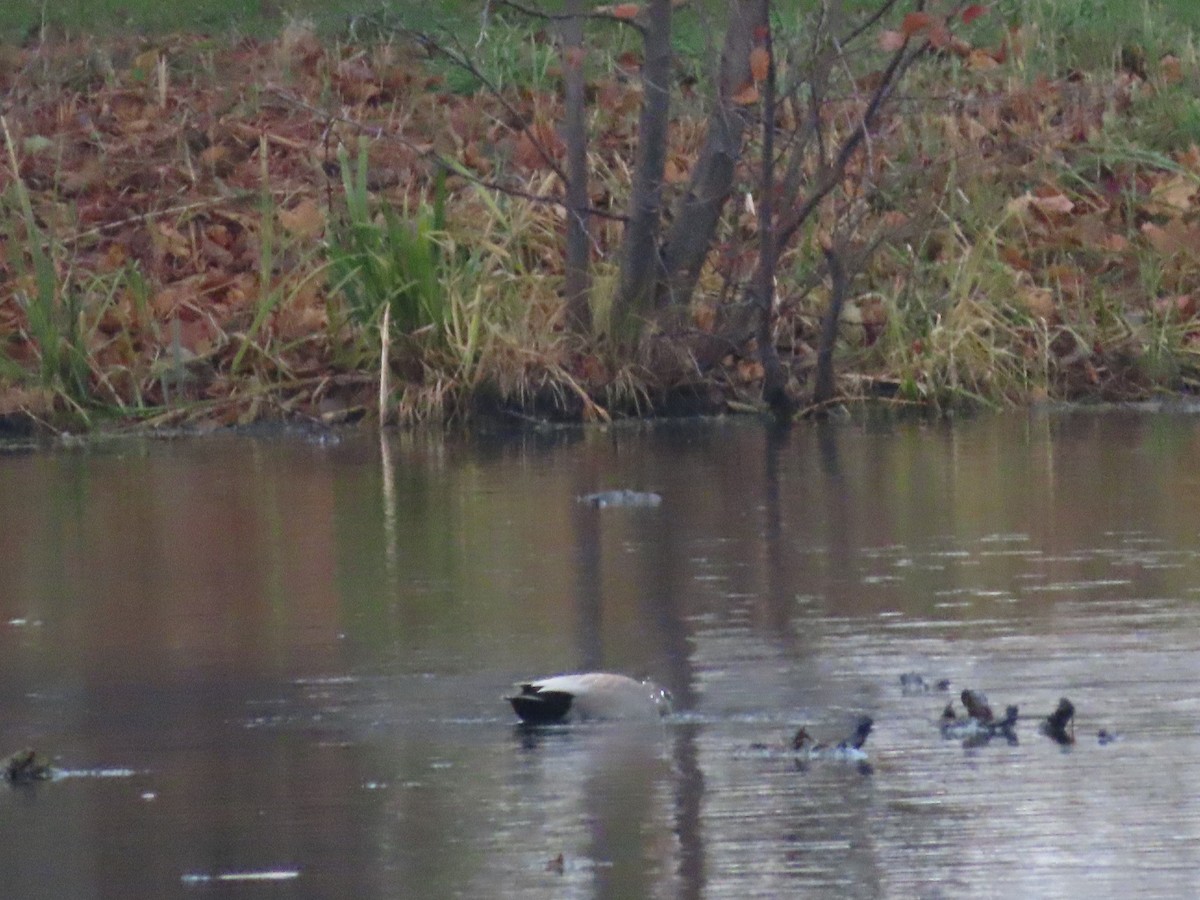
(976,703)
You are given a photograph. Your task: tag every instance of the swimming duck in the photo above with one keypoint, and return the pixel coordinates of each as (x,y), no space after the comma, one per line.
(26,766)
(979,725)
(976,703)
(588,695)
(850,749)
(605,499)
(914,683)
(1058,725)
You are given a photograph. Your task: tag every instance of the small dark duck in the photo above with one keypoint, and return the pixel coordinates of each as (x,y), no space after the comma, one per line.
(588,695)
(976,704)
(851,749)
(1059,726)
(26,766)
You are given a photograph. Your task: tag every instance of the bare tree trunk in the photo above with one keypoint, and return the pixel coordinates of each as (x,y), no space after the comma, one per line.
(823,389)
(699,211)
(576,285)
(640,264)
(774,376)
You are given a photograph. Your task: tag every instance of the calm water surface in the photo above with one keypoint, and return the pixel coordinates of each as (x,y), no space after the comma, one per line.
(274,667)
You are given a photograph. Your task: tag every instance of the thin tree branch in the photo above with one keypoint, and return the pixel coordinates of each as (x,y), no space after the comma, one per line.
(901,60)
(868,22)
(569,16)
(459,58)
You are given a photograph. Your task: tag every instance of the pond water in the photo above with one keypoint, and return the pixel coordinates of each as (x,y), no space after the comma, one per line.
(274,666)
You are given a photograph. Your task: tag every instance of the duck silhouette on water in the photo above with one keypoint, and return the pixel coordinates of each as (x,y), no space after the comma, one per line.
(26,766)
(1059,726)
(582,696)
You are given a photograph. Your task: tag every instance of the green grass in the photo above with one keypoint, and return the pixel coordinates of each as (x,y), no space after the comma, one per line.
(384,258)
(1061,33)
(22,18)
(1088,26)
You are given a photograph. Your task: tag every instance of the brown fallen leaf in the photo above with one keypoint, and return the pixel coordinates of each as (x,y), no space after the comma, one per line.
(1038,302)
(1050,205)
(1174,195)
(916,22)
(760,63)
(625,11)
(1171,69)
(747,96)
(749,371)
(305,219)
(1173,237)
(972,12)
(981,60)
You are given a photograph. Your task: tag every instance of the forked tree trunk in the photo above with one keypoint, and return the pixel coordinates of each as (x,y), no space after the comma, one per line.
(698,213)
(640,264)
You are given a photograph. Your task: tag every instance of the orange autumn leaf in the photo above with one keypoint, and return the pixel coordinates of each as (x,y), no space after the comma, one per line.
(675,170)
(749,371)
(939,36)
(305,219)
(760,63)
(981,61)
(1171,69)
(916,22)
(705,319)
(747,96)
(1015,258)
(972,12)
(625,11)
(526,154)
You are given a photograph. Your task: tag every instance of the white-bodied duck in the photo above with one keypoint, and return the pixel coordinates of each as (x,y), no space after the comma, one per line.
(588,695)
(851,749)
(979,725)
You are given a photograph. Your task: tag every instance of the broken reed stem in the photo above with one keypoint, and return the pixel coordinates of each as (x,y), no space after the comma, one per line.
(385,339)
(163,80)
